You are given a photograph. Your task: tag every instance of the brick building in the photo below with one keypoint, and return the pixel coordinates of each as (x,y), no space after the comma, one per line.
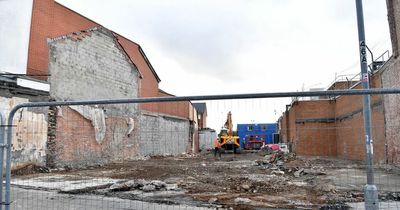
(51,19)
(334,126)
(73,55)
(201,109)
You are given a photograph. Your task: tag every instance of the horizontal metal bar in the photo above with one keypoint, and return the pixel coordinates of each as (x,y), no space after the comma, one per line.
(170,99)
(5,126)
(328,93)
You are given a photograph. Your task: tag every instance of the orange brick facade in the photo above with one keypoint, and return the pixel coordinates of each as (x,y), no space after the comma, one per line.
(73,142)
(76,145)
(50,19)
(334,127)
(347,127)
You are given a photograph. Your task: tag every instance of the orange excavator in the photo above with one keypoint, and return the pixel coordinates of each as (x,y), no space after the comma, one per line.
(227,138)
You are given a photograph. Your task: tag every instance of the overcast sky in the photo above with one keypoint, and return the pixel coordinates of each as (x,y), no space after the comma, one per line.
(241,46)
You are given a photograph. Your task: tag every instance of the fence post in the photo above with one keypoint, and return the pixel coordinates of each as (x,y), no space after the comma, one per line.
(2,133)
(7,201)
(370,191)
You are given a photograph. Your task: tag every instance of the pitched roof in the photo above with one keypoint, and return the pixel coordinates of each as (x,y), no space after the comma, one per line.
(116,35)
(79,35)
(163,92)
(141,53)
(200,107)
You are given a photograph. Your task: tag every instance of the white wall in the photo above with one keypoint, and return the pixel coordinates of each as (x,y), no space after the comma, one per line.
(15,23)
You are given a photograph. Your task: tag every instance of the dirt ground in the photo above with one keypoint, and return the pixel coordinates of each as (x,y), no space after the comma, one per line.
(248,180)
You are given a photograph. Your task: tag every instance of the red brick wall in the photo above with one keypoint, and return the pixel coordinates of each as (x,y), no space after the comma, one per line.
(313,138)
(292,124)
(50,19)
(393,7)
(345,137)
(342,85)
(180,109)
(317,139)
(76,145)
(282,129)
(350,131)
(390,79)
(149,84)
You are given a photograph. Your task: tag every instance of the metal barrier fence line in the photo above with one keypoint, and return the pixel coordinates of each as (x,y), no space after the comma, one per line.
(168,130)
(2,145)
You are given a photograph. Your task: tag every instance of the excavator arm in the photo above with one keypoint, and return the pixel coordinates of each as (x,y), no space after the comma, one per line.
(228,124)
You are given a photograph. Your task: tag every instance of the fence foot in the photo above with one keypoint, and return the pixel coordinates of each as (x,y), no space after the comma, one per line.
(371,197)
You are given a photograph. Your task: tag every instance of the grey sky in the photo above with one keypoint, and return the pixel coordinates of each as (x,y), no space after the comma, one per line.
(244,46)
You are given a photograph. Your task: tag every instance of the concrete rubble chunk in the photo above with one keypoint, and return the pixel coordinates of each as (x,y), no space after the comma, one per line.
(158,184)
(325,188)
(242,200)
(314,172)
(171,187)
(277,172)
(246,187)
(141,183)
(298,173)
(149,188)
(124,186)
(84,188)
(212,200)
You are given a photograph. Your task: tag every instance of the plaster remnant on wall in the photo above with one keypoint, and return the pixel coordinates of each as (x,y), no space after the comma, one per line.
(30,132)
(96,117)
(131,125)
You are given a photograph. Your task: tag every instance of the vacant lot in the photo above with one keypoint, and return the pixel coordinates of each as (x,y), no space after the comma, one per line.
(242,181)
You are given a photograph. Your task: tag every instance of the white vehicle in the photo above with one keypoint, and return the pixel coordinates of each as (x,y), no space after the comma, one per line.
(284,147)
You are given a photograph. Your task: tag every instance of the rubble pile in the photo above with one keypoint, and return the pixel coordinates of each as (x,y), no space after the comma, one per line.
(29,168)
(281,156)
(145,186)
(277,157)
(276,160)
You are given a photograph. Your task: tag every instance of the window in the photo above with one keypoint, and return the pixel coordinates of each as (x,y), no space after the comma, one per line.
(263,127)
(249,128)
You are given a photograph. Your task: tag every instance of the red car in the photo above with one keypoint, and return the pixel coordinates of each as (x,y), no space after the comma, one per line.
(273,146)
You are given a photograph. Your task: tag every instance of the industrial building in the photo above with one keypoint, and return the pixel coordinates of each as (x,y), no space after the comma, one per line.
(255,135)
(334,126)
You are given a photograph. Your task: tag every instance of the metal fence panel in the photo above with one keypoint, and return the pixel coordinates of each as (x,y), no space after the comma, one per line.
(92,156)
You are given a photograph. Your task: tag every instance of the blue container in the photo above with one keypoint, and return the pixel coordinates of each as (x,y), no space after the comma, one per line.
(257,133)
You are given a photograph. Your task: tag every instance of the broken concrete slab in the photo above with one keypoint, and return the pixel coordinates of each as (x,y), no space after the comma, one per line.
(298,173)
(171,187)
(84,188)
(246,186)
(123,186)
(212,200)
(314,172)
(158,184)
(149,188)
(141,182)
(64,183)
(278,173)
(242,200)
